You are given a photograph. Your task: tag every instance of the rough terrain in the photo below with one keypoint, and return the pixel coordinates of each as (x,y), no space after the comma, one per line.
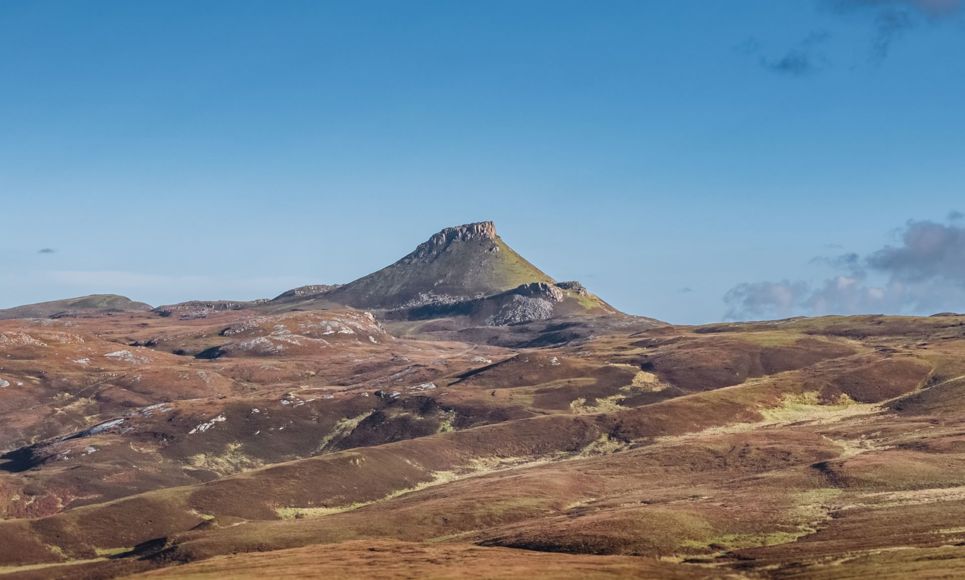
(302,437)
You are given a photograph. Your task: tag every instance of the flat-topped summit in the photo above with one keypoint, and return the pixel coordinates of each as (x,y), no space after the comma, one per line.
(443,240)
(456,264)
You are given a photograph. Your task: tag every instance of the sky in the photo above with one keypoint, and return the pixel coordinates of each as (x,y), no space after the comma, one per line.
(692,161)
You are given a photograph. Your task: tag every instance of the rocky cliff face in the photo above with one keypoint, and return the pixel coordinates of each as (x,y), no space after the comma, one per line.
(443,241)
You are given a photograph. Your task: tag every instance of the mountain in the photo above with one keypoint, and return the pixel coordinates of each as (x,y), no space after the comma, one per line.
(465,274)
(84,305)
(465,283)
(457,264)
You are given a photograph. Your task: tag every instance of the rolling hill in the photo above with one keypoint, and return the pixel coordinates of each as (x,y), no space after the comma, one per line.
(85,305)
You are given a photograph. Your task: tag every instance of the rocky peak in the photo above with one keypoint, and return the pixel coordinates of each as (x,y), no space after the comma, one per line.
(440,242)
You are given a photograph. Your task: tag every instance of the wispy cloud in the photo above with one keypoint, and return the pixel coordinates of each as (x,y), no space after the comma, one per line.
(892,19)
(46,251)
(803,59)
(797,63)
(922,273)
(888,20)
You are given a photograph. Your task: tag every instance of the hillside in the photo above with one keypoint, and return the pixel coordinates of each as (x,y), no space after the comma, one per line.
(508,430)
(770,449)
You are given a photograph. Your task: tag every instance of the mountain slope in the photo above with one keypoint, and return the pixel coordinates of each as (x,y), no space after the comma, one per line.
(93,304)
(457,264)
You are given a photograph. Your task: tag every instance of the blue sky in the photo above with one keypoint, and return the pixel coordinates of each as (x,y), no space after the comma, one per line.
(676,157)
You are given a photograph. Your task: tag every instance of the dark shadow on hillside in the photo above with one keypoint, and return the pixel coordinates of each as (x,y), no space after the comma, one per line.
(17,461)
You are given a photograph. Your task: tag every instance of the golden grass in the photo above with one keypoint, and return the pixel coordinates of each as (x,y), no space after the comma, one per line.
(290,513)
(646,382)
(446,425)
(342,428)
(808,407)
(233,460)
(809,509)
(609,404)
(110,552)
(605,445)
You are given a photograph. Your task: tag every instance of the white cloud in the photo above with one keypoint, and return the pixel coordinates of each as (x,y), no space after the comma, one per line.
(922,274)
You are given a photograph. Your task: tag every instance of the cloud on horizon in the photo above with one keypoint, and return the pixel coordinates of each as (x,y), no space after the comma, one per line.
(923,274)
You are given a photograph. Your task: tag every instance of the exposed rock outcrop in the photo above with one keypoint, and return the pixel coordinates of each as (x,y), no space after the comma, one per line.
(525,303)
(442,241)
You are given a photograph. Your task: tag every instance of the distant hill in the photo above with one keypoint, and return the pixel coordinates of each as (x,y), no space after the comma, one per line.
(93,304)
(304,292)
(462,278)
(194,309)
(457,264)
